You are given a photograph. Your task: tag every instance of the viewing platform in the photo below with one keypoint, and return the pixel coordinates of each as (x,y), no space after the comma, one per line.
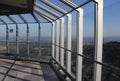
(12,70)
(59,40)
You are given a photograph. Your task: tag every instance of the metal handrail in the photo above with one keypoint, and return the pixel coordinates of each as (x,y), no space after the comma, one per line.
(68,74)
(116,70)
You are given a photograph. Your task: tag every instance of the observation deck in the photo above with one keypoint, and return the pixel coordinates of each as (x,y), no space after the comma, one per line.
(27,56)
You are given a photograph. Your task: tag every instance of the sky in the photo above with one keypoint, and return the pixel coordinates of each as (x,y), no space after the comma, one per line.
(111,22)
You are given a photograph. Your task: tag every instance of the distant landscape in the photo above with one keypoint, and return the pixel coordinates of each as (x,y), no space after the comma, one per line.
(111,51)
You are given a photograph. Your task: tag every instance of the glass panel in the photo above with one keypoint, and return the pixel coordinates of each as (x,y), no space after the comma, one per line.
(46,41)
(33,32)
(12,33)
(22,32)
(74,42)
(12,47)
(2,38)
(34,50)
(23,49)
(2,47)
(88,41)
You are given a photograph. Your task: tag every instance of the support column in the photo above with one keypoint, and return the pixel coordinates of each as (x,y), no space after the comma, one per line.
(62,41)
(57,41)
(98,38)
(7,38)
(53,40)
(28,52)
(17,42)
(79,44)
(39,41)
(69,35)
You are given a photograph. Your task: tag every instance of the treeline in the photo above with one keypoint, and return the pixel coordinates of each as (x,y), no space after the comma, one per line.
(111,56)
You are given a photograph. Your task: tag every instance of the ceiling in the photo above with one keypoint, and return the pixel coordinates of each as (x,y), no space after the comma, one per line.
(30,11)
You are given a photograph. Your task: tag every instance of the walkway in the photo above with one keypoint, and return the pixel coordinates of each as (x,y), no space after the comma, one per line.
(11,70)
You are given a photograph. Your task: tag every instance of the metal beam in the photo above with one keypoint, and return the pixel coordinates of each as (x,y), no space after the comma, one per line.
(54,6)
(34,16)
(46,14)
(98,39)
(17,34)
(53,40)
(57,40)
(69,24)
(50,21)
(42,14)
(62,41)
(69,3)
(79,44)
(82,4)
(24,23)
(39,39)
(46,10)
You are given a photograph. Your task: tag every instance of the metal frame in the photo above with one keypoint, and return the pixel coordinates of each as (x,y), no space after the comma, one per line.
(98,38)
(17,34)
(53,40)
(24,23)
(27,38)
(7,35)
(55,31)
(79,44)
(49,20)
(79,38)
(75,8)
(53,6)
(39,33)
(57,39)
(46,10)
(44,15)
(69,41)
(69,3)
(62,41)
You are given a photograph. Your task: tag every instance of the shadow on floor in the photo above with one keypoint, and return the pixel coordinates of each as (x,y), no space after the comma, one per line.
(11,70)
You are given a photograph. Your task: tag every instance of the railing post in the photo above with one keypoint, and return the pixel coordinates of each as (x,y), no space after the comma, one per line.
(28,52)
(53,39)
(7,38)
(79,44)
(62,41)
(98,38)
(39,41)
(69,18)
(57,41)
(17,36)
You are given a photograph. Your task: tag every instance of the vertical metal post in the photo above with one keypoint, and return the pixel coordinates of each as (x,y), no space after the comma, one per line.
(98,38)
(17,43)
(79,44)
(62,41)
(53,39)
(57,41)
(39,42)
(7,38)
(69,18)
(27,40)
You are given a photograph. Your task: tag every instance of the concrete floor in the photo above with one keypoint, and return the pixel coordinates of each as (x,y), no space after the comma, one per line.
(11,70)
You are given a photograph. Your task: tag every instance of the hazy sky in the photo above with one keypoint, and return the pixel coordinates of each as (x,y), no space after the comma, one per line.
(111,22)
